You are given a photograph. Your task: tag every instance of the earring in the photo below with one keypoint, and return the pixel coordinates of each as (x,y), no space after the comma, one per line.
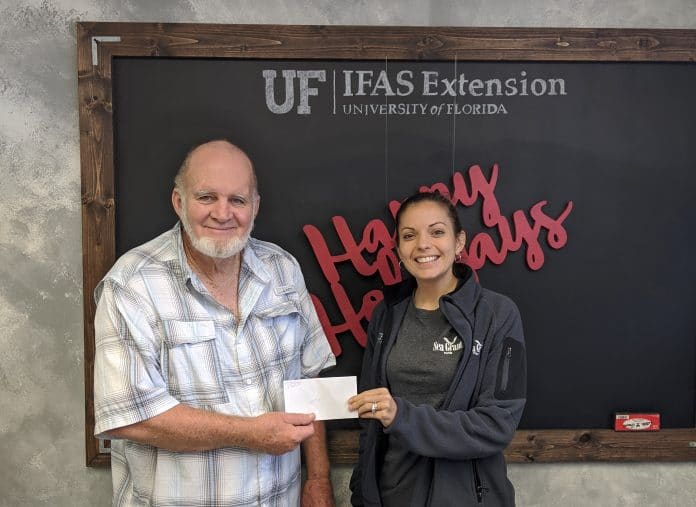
(401,264)
(458,257)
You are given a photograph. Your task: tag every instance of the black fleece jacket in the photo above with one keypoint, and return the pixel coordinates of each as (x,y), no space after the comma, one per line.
(464,439)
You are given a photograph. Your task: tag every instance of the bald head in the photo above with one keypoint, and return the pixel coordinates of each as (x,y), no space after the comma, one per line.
(218,149)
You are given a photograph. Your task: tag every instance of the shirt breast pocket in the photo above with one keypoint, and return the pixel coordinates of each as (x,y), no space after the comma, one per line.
(191,363)
(288,327)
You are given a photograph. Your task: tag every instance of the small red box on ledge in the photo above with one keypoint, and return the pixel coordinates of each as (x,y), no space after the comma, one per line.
(637,421)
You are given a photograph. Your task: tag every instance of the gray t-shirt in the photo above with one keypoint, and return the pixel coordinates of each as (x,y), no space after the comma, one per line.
(420,368)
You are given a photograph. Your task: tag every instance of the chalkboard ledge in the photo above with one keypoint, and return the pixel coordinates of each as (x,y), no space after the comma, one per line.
(554,446)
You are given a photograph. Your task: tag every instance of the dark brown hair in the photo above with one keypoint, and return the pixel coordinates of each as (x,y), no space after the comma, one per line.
(435,197)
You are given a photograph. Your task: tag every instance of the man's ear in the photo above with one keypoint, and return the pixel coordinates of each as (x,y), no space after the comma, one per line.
(257,203)
(176,202)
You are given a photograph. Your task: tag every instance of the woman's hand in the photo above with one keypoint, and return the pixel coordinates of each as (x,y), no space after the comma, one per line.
(374,404)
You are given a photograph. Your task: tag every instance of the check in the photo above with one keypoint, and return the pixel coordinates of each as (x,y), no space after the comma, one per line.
(326,397)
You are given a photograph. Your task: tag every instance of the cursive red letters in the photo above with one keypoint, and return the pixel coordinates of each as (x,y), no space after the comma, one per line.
(378,242)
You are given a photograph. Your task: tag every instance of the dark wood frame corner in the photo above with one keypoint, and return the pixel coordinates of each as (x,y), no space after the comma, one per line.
(98,43)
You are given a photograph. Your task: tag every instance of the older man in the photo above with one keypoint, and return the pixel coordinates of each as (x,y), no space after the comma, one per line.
(196,331)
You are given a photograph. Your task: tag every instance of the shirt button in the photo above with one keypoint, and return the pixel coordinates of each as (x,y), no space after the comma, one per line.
(248,381)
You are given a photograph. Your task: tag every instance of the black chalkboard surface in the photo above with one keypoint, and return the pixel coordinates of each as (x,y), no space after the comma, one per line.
(608,316)
(573,175)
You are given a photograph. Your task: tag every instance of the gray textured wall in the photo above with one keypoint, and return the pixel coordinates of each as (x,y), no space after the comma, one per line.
(41,376)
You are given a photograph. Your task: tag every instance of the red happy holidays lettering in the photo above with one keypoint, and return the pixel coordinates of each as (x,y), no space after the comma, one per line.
(376,238)
(482,246)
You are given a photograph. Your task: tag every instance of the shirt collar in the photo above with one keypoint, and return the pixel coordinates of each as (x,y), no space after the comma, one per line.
(185,271)
(251,262)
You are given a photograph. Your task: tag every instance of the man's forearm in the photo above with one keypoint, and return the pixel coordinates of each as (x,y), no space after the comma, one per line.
(188,429)
(315,453)
(317,490)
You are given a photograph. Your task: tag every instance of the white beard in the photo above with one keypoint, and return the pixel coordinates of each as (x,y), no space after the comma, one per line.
(221,249)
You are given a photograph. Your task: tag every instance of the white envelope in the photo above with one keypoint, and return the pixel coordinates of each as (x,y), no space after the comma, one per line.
(326,397)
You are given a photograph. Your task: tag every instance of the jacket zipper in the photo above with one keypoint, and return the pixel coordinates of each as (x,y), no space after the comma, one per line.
(506,369)
(480,489)
(462,367)
(376,356)
(378,364)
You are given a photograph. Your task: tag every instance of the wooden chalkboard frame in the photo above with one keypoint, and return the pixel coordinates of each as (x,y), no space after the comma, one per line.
(98,43)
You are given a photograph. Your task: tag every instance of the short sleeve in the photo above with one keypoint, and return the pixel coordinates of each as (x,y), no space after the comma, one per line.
(128,382)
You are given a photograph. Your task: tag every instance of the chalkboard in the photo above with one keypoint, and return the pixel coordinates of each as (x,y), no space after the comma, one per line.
(572,171)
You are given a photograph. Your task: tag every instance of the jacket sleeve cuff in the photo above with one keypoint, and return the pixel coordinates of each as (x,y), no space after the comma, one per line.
(395,426)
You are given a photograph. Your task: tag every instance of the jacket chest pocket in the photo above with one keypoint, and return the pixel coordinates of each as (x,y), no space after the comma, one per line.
(511,375)
(191,363)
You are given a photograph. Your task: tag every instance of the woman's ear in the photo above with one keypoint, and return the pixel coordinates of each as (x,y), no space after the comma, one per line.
(461,242)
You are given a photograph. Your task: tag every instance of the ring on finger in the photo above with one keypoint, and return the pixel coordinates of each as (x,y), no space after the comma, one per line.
(374,407)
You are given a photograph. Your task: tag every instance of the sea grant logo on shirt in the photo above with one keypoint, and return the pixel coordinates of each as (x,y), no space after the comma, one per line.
(449,345)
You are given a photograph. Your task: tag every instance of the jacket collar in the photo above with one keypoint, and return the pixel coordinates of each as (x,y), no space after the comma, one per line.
(464,296)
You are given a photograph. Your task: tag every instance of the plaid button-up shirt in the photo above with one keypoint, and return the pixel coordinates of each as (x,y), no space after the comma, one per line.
(161,339)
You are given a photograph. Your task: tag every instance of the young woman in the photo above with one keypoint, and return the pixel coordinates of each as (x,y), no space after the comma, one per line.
(443,380)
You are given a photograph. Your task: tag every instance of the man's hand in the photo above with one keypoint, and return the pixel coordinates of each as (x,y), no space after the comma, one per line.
(281,432)
(317,493)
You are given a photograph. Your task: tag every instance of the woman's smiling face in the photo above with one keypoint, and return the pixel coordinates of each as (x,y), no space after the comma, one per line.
(427,242)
